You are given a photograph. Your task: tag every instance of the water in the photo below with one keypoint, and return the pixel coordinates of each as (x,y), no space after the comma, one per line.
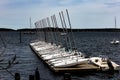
(90,43)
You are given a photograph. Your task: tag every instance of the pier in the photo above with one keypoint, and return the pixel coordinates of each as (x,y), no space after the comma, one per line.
(78,68)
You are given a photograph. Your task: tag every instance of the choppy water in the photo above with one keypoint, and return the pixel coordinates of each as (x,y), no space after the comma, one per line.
(90,43)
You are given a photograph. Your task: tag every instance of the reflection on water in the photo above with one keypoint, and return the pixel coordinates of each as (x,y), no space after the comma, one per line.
(90,43)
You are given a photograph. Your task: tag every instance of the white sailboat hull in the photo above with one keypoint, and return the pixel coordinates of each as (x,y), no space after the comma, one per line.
(115,42)
(69,62)
(103,64)
(58,57)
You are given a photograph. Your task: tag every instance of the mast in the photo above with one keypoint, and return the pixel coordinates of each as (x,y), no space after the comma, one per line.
(30,22)
(71,29)
(115,23)
(51,33)
(44,31)
(40,29)
(57,30)
(54,32)
(68,39)
(63,29)
(37,31)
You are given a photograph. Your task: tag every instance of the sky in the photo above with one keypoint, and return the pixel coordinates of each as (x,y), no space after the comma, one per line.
(83,14)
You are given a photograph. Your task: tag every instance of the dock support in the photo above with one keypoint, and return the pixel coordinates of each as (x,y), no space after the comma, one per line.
(31,77)
(67,76)
(111,68)
(37,74)
(17,76)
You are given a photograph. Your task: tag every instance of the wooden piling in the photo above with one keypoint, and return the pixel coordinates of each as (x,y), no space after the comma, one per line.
(17,76)
(37,74)
(31,77)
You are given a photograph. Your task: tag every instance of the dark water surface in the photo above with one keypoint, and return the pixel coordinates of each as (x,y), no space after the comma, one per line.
(90,43)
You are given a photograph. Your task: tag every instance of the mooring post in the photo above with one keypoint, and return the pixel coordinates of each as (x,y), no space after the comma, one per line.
(17,76)
(67,76)
(37,74)
(31,77)
(110,65)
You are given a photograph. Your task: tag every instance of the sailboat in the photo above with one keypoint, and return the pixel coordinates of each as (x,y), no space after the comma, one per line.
(115,41)
(104,63)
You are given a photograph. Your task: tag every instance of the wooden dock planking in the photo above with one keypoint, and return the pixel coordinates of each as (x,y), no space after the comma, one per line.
(77,68)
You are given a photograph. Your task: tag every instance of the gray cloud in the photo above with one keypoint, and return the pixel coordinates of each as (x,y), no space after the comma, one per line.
(83,14)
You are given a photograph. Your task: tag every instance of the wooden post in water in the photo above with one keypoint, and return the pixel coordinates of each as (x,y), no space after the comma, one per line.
(17,76)
(37,74)
(31,77)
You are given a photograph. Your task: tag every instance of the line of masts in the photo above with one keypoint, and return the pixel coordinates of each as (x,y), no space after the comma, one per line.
(50,26)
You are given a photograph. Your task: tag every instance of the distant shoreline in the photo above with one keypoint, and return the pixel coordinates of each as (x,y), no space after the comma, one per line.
(61,30)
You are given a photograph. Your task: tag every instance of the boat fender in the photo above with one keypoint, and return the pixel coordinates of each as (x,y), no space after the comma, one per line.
(111,68)
(17,76)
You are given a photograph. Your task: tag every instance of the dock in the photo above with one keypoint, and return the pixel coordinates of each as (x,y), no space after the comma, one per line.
(86,67)
(78,68)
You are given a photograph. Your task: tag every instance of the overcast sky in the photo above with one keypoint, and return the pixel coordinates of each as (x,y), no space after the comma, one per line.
(83,13)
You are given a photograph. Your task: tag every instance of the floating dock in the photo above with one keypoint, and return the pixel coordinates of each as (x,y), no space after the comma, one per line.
(86,67)
(77,68)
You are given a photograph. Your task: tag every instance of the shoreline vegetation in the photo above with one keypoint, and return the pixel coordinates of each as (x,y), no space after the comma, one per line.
(61,30)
